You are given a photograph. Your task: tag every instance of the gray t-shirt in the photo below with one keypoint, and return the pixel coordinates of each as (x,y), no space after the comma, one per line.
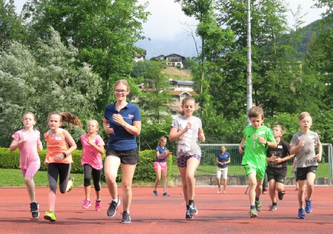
(306,156)
(188,142)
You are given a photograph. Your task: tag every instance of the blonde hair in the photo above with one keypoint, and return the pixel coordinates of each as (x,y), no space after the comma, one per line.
(189,98)
(95,121)
(66,117)
(303,115)
(29,113)
(124,82)
(162,139)
(281,127)
(255,112)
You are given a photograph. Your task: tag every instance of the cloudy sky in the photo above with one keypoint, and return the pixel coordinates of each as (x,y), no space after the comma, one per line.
(166,26)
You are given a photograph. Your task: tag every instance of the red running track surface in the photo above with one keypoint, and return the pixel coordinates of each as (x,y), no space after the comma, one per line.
(218,213)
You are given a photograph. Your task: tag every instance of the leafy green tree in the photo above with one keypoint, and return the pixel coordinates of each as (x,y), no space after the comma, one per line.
(104,32)
(11,27)
(43,79)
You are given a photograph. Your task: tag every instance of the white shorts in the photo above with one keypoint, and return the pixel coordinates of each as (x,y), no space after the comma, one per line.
(222,171)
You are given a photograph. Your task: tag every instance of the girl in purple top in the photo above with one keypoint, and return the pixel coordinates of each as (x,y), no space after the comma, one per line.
(92,150)
(28,142)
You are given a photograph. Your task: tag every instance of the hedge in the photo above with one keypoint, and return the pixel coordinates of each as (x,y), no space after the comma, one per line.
(144,170)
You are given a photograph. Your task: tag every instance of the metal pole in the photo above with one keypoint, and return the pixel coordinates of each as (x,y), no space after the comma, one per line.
(249,60)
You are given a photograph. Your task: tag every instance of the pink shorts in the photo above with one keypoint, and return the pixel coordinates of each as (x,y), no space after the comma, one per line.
(31,170)
(161,165)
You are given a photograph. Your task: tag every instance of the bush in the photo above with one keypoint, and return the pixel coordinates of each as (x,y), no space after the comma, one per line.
(144,170)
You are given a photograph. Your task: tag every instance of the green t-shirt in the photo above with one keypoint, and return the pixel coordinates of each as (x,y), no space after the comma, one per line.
(255,152)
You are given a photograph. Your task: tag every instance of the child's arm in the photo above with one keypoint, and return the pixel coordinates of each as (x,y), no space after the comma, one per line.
(15,144)
(295,148)
(175,134)
(99,148)
(201,134)
(267,143)
(241,146)
(320,151)
(39,145)
(71,143)
(280,160)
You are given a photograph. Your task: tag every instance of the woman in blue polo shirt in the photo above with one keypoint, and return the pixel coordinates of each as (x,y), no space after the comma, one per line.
(122,122)
(222,160)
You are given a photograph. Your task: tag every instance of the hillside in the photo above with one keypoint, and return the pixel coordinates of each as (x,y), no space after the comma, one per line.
(177,74)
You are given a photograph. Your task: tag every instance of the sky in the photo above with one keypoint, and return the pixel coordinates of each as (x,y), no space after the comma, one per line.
(167,26)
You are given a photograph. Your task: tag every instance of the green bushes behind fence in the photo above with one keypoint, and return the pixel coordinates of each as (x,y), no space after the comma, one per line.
(144,170)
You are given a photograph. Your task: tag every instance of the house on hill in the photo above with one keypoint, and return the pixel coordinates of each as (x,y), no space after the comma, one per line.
(171,60)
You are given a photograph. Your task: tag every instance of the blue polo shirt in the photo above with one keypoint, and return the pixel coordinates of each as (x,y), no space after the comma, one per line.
(222,158)
(121,139)
(161,151)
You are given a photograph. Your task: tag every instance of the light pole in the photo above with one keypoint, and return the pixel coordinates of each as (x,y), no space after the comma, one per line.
(249,60)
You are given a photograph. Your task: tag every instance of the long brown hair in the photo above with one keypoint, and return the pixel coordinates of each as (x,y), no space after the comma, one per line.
(69,118)
(189,98)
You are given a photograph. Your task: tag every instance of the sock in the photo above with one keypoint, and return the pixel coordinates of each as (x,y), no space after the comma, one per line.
(274,203)
(115,200)
(252,207)
(191,202)
(257,198)
(187,207)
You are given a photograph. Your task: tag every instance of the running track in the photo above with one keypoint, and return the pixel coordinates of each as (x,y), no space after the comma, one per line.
(218,213)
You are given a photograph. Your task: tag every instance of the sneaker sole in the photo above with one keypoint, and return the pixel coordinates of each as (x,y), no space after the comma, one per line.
(194,213)
(35,214)
(49,218)
(252,216)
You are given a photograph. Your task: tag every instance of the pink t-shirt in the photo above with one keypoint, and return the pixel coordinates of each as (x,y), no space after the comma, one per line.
(90,155)
(28,149)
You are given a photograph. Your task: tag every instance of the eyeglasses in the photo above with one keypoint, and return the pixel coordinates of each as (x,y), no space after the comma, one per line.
(121,91)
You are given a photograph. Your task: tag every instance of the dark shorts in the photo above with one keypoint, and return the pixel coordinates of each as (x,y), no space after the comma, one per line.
(182,159)
(303,171)
(277,174)
(126,156)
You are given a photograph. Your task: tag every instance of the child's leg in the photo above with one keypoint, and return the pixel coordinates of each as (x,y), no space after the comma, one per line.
(157,168)
(164,176)
(192,165)
(52,174)
(182,171)
(112,164)
(64,171)
(259,187)
(272,187)
(29,179)
(310,178)
(301,193)
(252,188)
(87,171)
(97,182)
(126,184)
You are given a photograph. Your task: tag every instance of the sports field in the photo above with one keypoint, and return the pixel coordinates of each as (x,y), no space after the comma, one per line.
(218,213)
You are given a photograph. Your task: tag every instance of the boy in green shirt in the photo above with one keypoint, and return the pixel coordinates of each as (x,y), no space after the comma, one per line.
(256,140)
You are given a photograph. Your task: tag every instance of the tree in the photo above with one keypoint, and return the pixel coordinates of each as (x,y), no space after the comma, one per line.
(104,32)
(44,79)
(11,27)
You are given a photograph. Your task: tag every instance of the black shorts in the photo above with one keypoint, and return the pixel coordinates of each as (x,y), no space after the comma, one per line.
(126,156)
(277,174)
(303,171)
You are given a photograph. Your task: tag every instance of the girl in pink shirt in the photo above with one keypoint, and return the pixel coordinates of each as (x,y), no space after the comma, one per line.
(92,150)
(60,146)
(28,142)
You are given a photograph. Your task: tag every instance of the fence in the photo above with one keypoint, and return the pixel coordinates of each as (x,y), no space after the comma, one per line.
(209,152)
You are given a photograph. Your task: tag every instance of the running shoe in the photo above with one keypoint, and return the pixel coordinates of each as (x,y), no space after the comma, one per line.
(308,206)
(34,209)
(258,205)
(98,205)
(112,208)
(253,213)
(155,193)
(165,194)
(86,204)
(126,217)
(70,184)
(193,210)
(273,207)
(188,215)
(301,213)
(218,190)
(50,215)
(281,195)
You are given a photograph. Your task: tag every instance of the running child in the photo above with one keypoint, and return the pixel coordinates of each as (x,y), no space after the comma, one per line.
(277,166)
(303,146)
(27,140)
(187,129)
(160,165)
(256,138)
(92,150)
(60,145)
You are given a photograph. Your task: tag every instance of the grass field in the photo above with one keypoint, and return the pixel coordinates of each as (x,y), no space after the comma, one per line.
(13,177)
